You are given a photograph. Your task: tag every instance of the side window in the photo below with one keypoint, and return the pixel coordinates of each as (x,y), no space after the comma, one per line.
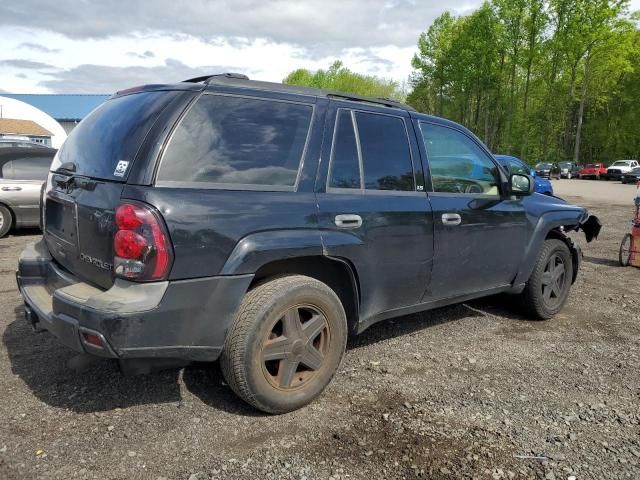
(28,168)
(345,168)
(386,158)
(7,170)
(457,164)
(238,140)
(517,167)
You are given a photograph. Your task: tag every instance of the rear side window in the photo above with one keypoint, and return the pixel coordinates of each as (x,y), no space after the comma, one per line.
(105,143)
(29,168)
(238,141)
(386,158)
(345,168)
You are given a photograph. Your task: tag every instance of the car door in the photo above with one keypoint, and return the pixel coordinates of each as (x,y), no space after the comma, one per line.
(20,187)
(479,232)
(372,206)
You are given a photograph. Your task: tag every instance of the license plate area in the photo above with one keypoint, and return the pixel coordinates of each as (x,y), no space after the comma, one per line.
(60,220)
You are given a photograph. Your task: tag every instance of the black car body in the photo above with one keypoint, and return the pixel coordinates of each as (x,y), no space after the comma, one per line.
(631,177)
(569,169)
(161,226)
(547,170)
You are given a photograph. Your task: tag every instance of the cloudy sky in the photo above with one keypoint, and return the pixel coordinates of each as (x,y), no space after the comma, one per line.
(100,46)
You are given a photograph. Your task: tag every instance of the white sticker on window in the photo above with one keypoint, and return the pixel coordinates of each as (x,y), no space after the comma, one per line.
(121,168)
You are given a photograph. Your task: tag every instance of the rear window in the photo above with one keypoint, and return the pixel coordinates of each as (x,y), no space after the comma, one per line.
(29,168)
(105,143)
(238,141)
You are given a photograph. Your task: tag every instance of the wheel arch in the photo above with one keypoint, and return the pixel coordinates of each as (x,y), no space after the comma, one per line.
(549,225)
(337,273)
(558,234)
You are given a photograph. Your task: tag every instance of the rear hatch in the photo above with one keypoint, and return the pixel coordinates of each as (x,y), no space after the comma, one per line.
(87,178)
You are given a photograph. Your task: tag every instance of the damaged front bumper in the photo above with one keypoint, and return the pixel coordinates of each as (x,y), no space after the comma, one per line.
(591,226)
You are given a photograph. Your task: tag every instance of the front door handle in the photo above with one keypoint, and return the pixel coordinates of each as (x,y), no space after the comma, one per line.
(348,221)
(451,219)
(11,189)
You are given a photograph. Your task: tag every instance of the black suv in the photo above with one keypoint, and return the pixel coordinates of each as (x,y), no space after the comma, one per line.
(261,223)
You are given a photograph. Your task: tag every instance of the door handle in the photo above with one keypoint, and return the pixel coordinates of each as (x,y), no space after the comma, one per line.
(11,189)
(451,219)
(348,221)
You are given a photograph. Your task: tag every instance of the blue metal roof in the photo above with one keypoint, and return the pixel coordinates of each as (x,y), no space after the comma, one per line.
(62,107)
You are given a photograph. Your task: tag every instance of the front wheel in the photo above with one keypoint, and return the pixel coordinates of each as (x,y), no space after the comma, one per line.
(549,284)
(286,344)
(624,256)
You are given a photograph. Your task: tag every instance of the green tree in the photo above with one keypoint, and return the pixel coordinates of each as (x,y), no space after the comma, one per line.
(542,79)
(341,79)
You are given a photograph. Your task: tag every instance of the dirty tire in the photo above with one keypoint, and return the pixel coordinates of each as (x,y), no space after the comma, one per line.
(624,255)
(264,309)
(548,287)
(5,220)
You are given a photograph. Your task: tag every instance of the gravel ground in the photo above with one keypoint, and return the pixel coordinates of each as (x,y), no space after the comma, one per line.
(469,391)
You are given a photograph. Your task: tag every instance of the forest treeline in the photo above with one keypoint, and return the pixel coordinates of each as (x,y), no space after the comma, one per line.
(540,79)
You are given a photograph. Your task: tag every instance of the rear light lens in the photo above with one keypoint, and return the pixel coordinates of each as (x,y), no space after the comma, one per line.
(141,245)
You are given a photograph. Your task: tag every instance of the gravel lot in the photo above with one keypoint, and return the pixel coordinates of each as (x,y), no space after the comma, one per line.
(469,391)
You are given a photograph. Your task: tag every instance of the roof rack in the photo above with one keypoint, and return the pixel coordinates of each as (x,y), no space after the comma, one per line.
(206,78)
(387,102)
(243,80)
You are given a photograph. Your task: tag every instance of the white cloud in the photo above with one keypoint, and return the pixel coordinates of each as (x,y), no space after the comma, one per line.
(112,44)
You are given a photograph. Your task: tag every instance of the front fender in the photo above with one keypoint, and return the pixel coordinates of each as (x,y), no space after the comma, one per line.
(546,223)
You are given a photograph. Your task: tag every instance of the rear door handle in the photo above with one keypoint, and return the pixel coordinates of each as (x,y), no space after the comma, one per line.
(348,221)
(451,219)
(11,189)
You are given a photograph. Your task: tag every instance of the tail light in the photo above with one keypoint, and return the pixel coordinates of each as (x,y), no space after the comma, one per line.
(141,245)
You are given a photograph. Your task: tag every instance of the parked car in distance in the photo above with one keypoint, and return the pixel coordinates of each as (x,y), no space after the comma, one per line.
(261,223)
(23,171)
(569,169)
(631,177)
(515,165)
(547,170)
(620,167)
(593,170)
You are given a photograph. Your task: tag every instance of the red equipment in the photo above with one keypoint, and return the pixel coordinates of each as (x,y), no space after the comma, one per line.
(630,245)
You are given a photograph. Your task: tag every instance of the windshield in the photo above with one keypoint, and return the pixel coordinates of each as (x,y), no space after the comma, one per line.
(621,163)
(543,166)
(636,170)
(565,165)
(105,143)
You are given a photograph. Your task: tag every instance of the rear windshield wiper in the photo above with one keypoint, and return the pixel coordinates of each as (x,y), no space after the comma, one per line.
(67,167)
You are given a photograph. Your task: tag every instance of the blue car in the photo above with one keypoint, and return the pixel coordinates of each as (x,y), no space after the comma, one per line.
(515,165)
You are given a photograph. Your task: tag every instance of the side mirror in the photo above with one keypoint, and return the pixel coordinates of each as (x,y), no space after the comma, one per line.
(521,185)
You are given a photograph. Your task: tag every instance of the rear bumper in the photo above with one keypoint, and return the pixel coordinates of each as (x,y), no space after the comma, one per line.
(186,319)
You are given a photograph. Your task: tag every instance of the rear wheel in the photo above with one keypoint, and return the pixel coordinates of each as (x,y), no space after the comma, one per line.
(5,220)
(549,284)
(624,255)
(286,344)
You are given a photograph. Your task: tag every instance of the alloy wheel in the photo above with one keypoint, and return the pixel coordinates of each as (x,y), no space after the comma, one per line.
(553,281)
(295,346)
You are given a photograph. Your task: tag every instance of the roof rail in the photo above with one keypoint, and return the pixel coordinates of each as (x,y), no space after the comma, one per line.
(387,102)
(206,78)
